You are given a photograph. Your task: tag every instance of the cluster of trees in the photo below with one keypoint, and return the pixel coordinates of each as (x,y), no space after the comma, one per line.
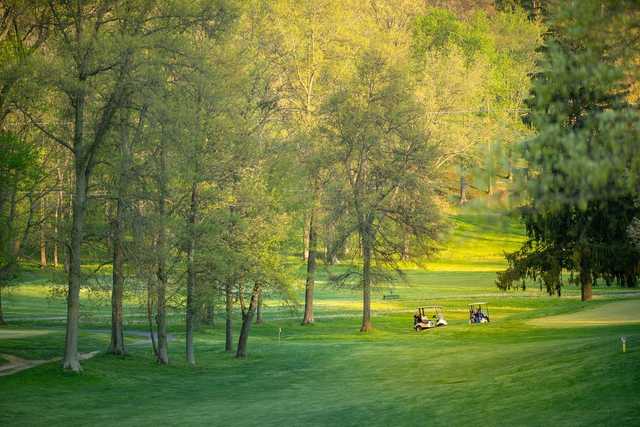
(199,147)
(582,208)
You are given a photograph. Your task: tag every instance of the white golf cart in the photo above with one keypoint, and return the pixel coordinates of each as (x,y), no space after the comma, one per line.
(478,313)
(431,316)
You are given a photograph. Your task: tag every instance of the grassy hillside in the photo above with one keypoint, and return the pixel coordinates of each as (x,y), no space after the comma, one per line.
(509,372)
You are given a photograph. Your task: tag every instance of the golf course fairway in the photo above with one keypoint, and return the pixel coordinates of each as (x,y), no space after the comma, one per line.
(520,369)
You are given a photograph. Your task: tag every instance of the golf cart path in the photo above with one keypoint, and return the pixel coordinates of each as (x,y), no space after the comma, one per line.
(613,313)
(16,364)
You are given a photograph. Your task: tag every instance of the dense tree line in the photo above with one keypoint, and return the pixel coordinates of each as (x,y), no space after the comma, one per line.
(581,197)
(200,148)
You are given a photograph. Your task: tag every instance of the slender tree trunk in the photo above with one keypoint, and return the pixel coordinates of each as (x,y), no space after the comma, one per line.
(117,292)
(211,315)
(366,278)
(311,271)
(259,319)
(55,250)
(247,318)
(66,261)
(510,163)
(463,187)
(117,345)
(191,274)
(152,334)
(43,243)
(56,225)
(306,229)
(228,344)
(82,158)
(71,359)
(161,315)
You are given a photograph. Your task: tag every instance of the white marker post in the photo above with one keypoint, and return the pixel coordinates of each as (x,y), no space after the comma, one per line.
(279,334)
(623,340)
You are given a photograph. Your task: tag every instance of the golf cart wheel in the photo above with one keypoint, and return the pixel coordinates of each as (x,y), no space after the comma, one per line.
(418,328)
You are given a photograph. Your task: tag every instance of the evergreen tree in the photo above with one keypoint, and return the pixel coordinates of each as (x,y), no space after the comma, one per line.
(581,194)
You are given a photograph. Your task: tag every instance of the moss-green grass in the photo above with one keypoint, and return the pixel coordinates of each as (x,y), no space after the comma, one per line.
(509,372)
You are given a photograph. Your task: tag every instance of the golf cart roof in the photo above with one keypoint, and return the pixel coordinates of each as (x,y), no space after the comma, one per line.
(431,306)
(477,303)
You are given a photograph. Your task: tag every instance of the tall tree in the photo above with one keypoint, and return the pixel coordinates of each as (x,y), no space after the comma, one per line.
(384,168)
(583,112)
(302,40)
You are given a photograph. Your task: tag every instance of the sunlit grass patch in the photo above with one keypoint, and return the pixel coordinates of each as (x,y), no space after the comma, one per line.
(611,313)
(21,333)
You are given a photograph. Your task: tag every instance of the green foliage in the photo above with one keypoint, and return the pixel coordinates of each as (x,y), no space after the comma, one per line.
(382,175)
(16,158)
(19,171)
(473,75)
(440,29)
(581,185)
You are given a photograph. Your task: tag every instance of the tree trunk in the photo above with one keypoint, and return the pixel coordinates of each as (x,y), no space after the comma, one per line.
(66,260)
(228,344)
(510,163)
(152,334)
(161,315)
(117,346)
(43,243)
(247,318)
(56,225)
(366,278)
(463,188)
(191,274)
(306,229)
(311,271)
(585,280)
(211,315)
(71,360)
(55,250)
(259,309)
(117,236)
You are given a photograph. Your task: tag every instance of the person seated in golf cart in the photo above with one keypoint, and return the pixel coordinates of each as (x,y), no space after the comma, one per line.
(419,318)
(478,313)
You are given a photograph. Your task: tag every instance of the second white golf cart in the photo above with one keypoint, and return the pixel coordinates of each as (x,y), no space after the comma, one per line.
(478,312)
(427,317)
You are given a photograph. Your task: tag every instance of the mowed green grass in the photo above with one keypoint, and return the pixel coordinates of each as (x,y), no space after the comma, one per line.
(509,372)
(614,313)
